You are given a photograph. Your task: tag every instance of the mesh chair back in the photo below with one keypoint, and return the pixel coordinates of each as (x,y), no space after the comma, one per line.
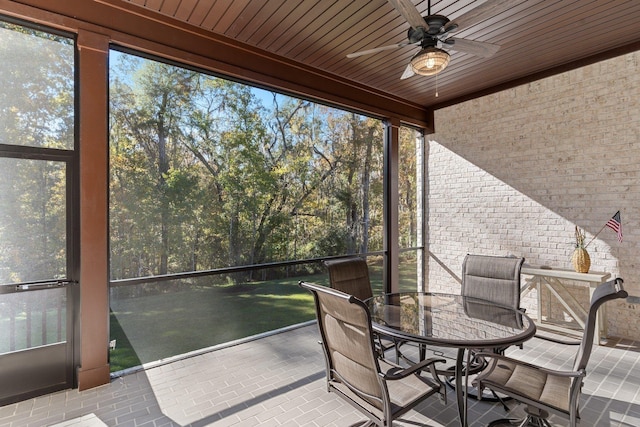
(489,311)
(605,292)
(492,278)
(351,276)
(345,328)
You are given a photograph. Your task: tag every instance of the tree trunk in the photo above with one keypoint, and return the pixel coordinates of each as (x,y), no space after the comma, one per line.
(366,180)
(163,168)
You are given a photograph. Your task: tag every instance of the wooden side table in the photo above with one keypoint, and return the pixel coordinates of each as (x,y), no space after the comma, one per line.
(554,279)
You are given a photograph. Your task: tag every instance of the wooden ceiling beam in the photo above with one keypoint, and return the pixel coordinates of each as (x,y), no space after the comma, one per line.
(130,26)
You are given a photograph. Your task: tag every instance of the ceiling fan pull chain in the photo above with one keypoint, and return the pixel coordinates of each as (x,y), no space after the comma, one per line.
(436,85)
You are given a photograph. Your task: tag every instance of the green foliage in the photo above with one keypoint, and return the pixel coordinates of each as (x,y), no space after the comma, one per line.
(36,110)
(36,100)
(208,173)
(204,173)
(334,242)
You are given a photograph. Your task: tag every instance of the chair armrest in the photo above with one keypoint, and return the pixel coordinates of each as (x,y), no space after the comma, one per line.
(575,374)
(397,372)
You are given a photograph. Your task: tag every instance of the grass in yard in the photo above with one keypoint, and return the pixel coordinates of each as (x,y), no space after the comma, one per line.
(151,328)
(154,327)
(122,356)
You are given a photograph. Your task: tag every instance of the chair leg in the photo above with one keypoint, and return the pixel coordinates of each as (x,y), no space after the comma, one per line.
(530,420)
(527,422)
(501,400)
(450,380)
(505,422)
(536,417)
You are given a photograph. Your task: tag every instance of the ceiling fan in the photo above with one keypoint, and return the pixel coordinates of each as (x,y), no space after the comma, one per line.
(432,34)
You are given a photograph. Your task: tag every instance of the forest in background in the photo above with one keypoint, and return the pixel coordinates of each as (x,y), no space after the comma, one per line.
(36,112)
(205,172)
(209,173)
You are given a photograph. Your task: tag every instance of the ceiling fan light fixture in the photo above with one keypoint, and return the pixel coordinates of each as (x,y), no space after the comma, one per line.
(430,61)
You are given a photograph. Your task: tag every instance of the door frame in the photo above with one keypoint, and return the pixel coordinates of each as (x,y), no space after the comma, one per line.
(48,355)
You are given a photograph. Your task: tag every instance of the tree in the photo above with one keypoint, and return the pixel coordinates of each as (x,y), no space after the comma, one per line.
(211,173)
(407,188)
(36,110)
(150,115)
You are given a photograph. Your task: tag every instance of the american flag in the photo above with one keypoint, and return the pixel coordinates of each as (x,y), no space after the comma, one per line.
(615,224)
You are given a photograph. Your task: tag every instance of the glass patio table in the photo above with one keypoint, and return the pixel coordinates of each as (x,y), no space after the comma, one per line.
(449,320)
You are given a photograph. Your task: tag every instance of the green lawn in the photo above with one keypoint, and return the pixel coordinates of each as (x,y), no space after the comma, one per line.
(153,327)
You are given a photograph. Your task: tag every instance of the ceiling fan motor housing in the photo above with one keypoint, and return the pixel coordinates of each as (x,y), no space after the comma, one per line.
(434,25)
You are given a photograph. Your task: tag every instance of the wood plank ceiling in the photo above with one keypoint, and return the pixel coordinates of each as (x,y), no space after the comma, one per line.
(535,36)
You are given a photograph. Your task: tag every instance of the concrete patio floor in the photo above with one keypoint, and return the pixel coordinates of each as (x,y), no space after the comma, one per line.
(279,380)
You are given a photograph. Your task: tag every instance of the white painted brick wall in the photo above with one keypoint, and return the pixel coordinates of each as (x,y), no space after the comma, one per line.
(514,172)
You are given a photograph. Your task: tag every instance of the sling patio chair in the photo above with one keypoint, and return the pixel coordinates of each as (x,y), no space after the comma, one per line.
(351,276)
(494,279)
(547,391)
(379,389)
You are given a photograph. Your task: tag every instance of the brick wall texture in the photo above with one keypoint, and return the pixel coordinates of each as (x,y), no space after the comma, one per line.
(514,172)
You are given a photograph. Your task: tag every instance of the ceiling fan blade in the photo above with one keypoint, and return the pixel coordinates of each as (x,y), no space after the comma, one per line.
(486,10)
(377,49)
(408,72)
(409,12)
(481,49)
